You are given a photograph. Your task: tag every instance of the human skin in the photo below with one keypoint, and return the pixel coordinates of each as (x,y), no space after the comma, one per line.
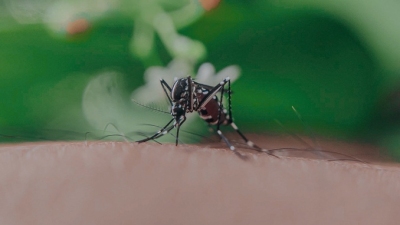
(148,183)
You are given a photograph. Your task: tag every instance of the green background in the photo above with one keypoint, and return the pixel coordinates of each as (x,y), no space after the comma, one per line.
(304,56)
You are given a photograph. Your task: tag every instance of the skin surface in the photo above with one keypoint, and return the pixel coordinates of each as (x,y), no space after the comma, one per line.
(129,183)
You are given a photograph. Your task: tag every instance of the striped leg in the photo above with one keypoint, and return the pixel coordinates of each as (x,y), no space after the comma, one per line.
(159,133)
(213,92)
(220,110)
(230,121)
(250,143)
(222,84)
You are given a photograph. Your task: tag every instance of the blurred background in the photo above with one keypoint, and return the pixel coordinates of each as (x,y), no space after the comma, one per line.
(71,67)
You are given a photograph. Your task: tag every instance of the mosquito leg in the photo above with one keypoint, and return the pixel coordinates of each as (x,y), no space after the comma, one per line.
(159,133)
(230,121)
(190,86)
(250,143)
(231,147)
(212,93)
(144,135)
(166,131)
(177,130)
(220,110)
(166,87)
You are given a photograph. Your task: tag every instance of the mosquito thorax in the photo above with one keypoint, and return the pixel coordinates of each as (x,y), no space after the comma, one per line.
(180,90)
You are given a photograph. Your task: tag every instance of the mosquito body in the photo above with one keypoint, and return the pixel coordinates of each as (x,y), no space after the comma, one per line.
(187,96)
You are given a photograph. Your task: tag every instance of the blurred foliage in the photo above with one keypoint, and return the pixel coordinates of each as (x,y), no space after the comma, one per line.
(330,59)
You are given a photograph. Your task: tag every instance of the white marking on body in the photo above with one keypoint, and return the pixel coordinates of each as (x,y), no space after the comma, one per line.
(227,78)
(234,126)
(249,143)
(219,132)
(232,148)
(205,117)
(165,132)
(221,83)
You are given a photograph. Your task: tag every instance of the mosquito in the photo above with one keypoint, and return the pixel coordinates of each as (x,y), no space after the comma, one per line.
(188,96)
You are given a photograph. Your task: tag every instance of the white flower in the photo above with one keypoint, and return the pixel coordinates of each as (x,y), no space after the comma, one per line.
(206,74)
(149,18)
(60,14)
